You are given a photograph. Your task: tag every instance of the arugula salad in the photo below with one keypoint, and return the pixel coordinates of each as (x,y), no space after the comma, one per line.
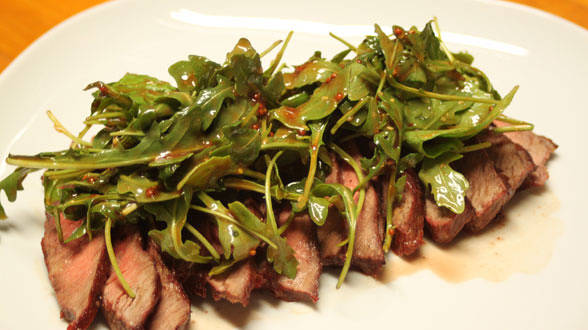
(166,155)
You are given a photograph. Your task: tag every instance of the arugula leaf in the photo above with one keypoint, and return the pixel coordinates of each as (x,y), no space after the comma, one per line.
(322,103)
(281,256)
(174,213)
(13,183)
(447,185)
(193,75)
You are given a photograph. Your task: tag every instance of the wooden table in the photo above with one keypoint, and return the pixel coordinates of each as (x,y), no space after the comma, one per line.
(23,21)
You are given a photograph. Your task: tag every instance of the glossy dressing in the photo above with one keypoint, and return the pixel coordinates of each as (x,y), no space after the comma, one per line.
(520,241)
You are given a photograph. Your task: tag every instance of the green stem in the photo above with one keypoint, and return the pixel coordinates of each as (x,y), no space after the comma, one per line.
(268,199)
(270,48)
(444,97)
(284,227)
(113,261)
(254,174)
(514,128)
(358,172)
(348,115)
(343,41)
(203,240)
(230,219)
(443,47)
(270,71)
(284,145)
(61,129)
(476,147)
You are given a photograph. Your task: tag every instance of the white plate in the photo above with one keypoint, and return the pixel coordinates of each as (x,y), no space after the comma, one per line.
(535,277)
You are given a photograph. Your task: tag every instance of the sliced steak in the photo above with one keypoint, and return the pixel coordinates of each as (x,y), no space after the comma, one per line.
(77,271)
(442,224)
(173,310)
(511,160)
(408,217)
(191,275)
(368,254)
(334,230)
(488,192)
(539,147)
(301,236)
(236,284)
(138,269)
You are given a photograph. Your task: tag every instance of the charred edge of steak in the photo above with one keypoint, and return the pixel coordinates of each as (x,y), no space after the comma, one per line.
(511,160)
(236,284)
(173,310)
(301,236)
(138,269)
(192,276)
(539,147)
(408,217)
(442,224)
(488,191)
(81,262)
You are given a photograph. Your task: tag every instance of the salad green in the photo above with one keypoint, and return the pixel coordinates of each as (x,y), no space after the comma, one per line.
(167,157)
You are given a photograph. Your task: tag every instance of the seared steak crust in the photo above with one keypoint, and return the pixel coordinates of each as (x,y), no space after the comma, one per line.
(408,217)
(236,284)
(539,147)
(173,310)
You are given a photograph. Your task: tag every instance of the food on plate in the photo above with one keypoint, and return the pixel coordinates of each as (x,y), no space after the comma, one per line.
(240,178)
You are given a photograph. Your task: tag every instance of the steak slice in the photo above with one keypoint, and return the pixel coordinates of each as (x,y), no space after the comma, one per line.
(488,192)
(77,271)
(191,275)
(442,224)
(539,147)
(301,237)
(138,269)
(408,217)
(236,284)
(511,160)
(173,310)
(334,230)
(368,254)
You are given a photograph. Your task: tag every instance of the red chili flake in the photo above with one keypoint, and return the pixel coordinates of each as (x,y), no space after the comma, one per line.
(255,126)
(391,231)
(339,97)
(411,31)
(395,71)
(103,90)
(398,32)
(252,252)
(299,68)
(152,192)
(331,77)
(491,108)
(89,178)
(271,134)
(358,61)
(301,132)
